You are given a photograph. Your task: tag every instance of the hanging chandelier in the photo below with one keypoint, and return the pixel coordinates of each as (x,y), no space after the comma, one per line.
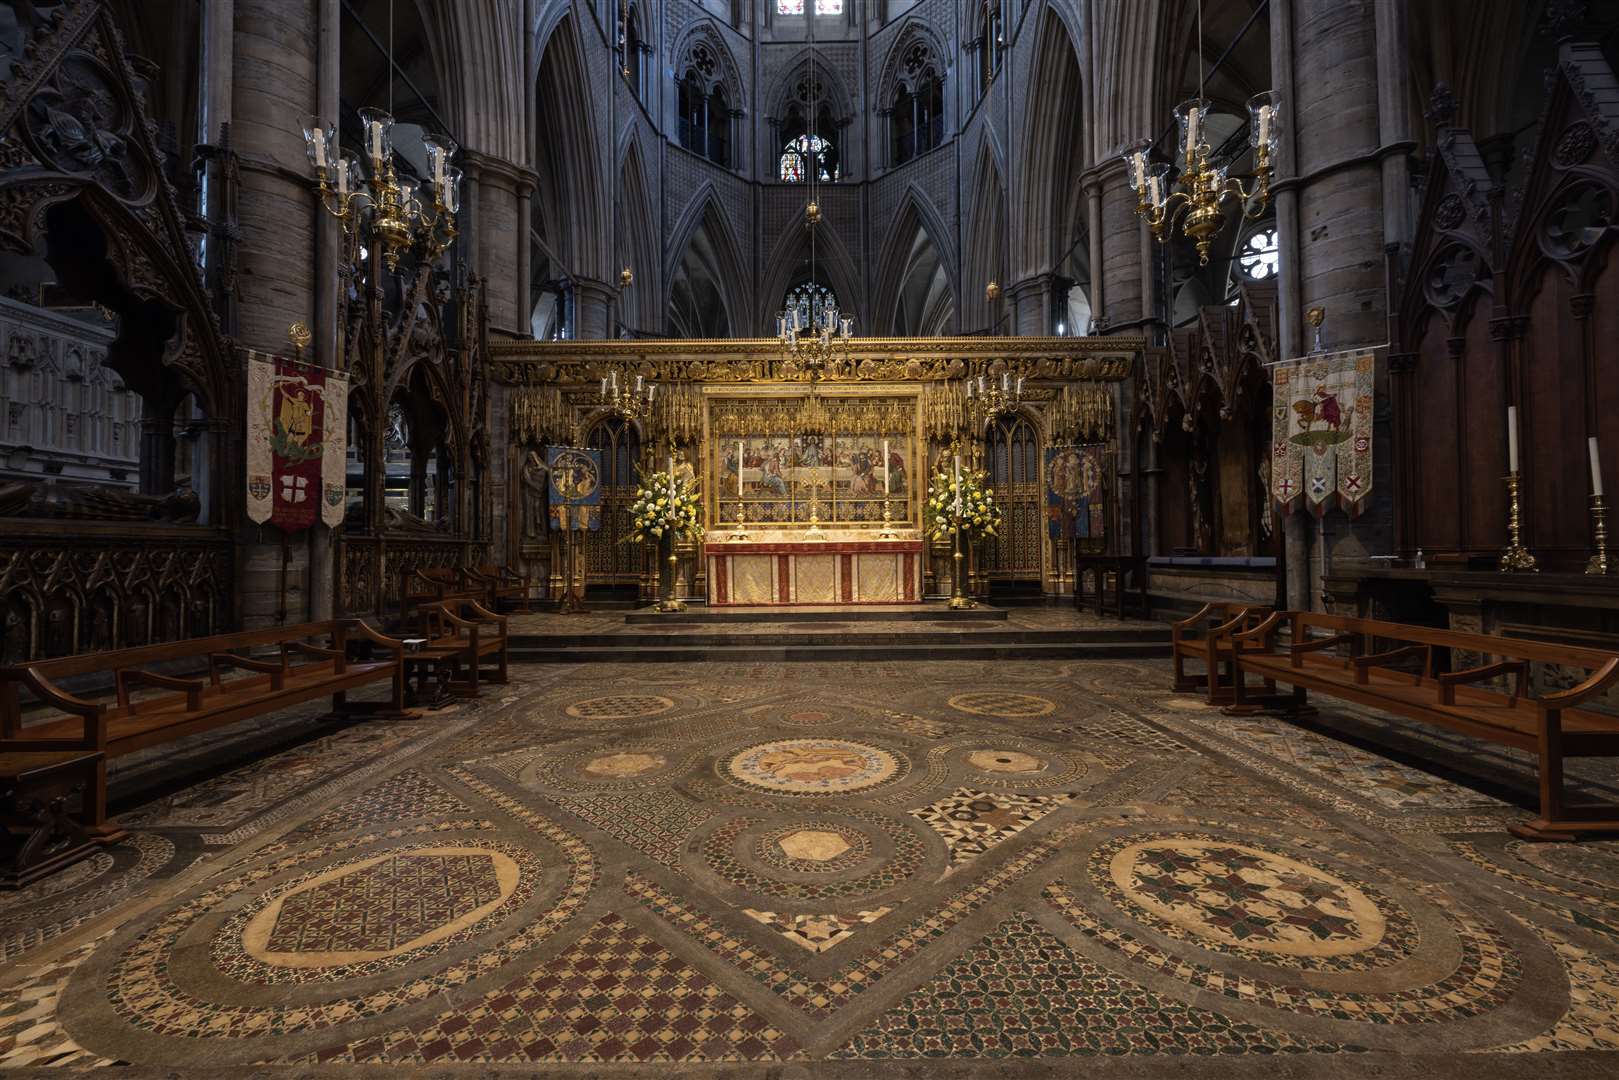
(989,399)
(1194,195)
(626,400)
(809,339)
(376,205)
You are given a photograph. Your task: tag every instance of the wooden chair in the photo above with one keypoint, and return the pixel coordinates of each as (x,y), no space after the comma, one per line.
(1193,638)
(420,585)
(45,802)
(498,583)
(470,637)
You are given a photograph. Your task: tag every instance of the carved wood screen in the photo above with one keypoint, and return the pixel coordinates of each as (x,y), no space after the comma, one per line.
(1512,299)
(609,558)
(1013,453)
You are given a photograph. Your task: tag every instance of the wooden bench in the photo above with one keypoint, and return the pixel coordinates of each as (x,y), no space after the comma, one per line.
(1123,568)
(498,583)
(200,702)
(40,832)
(1551,726)
(467,636)
(419,585)
(1206,638)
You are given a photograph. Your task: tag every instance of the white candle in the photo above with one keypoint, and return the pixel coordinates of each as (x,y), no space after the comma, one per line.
(1264,125)
(342,176)
(1596,467)
(320,148)
(638,383)
(1141,169)
(604,386)
(1155,190)
(885,463)
(671,485)
(615,382)
(376,140)
(739,468)
(651,390)
(958,476)
(1192,120)
(1512,438)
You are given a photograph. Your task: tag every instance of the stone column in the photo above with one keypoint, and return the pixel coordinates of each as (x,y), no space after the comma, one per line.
(593,306)
(1121,268)
(275,45)
(1031,306)
(522,316)
(1093,206)
(328,248)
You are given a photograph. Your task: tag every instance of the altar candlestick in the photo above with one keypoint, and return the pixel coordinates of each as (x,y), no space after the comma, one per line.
(885,463)
(958,480)
(604,386)
(1596,467)
(1512,438)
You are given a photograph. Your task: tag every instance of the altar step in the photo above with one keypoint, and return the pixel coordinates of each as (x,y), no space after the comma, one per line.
(936,612)
(940,644)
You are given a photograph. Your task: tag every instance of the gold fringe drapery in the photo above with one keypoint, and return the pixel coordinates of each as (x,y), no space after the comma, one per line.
(1082,412)
(538,416)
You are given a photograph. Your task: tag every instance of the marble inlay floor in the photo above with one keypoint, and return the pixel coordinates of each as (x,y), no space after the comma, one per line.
(804,870)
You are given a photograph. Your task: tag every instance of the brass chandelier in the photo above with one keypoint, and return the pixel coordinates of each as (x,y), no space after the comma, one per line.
(1194,196)
(627,401)
(989,399)
(375,204)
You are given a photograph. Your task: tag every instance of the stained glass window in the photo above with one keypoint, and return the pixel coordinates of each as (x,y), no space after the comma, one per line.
(809,300)
(1259,258)
(827,7)
(795,158)
(789,7)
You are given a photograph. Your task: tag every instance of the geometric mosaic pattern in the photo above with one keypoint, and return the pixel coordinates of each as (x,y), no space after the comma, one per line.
(1021,993)
(711,867)
(971,822)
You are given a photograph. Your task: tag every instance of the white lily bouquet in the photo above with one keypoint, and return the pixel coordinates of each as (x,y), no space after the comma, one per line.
(973,507)
(659,508)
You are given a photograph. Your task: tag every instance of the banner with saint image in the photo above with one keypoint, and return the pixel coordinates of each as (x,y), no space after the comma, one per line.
(297,440)
(1076,492)
(576,489)
(1321,431)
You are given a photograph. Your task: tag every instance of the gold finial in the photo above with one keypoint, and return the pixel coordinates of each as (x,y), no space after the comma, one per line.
(812,213)
(992,291)
(300,336)
(626,278)
(1316,316)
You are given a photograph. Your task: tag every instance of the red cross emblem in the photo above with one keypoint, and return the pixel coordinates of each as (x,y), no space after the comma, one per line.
(1287,487)
(1352,482)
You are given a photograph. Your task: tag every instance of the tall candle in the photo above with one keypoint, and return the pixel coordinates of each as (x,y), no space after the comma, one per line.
(376,140)
(885,463)
(1140,161)
(958,479)
(604,386)
(1155,189)
(1264,125)
(319,146)
(739,468)
(342,176)
(1193,120)
(1512,438)
(1596,467)
(671,485)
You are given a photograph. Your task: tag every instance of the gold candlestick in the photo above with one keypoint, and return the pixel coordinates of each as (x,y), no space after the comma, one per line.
(741,532)
(888,532)
(1599,536)
(670,602)
(958,598)
(1516,557)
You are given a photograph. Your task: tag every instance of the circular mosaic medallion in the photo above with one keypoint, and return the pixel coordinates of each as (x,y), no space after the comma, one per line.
(816,847)
(1002,704)
(1231,894)
(624,764)
(621,707)
(813,766)
(1594,865)
(1006,761)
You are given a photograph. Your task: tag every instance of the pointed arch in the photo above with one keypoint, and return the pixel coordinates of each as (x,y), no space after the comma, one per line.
(1052,151)
(706,272)
(788,265)
(917,288)
(641,305)
(570,191)
(984,250)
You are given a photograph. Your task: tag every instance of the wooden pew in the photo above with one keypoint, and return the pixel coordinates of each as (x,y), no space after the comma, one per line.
(1551,726)
(44,808)
(1194,638)
(468,636)
(432,585)
(298,671)
(497,583)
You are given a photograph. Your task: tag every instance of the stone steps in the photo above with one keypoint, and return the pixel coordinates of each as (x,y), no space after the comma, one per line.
(606,649)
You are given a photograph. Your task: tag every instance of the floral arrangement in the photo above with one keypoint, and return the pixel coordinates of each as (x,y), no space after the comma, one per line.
(653,514)
(976,513)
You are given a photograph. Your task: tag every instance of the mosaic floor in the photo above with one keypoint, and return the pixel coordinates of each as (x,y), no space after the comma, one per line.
(803,870)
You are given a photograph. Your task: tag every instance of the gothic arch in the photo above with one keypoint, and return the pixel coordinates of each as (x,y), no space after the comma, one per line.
(903,269)
(914,32)
(705,269)
(724,73)
(984,252)
(570,191)
(832,97)
(640,305)
(1052,151)
(786,261)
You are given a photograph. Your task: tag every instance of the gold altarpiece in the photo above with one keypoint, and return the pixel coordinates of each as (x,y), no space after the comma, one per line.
(810,452)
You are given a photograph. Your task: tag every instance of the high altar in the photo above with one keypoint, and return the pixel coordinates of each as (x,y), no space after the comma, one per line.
(812,487)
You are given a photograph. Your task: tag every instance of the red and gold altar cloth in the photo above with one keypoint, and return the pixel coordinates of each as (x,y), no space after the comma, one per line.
(771,570)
